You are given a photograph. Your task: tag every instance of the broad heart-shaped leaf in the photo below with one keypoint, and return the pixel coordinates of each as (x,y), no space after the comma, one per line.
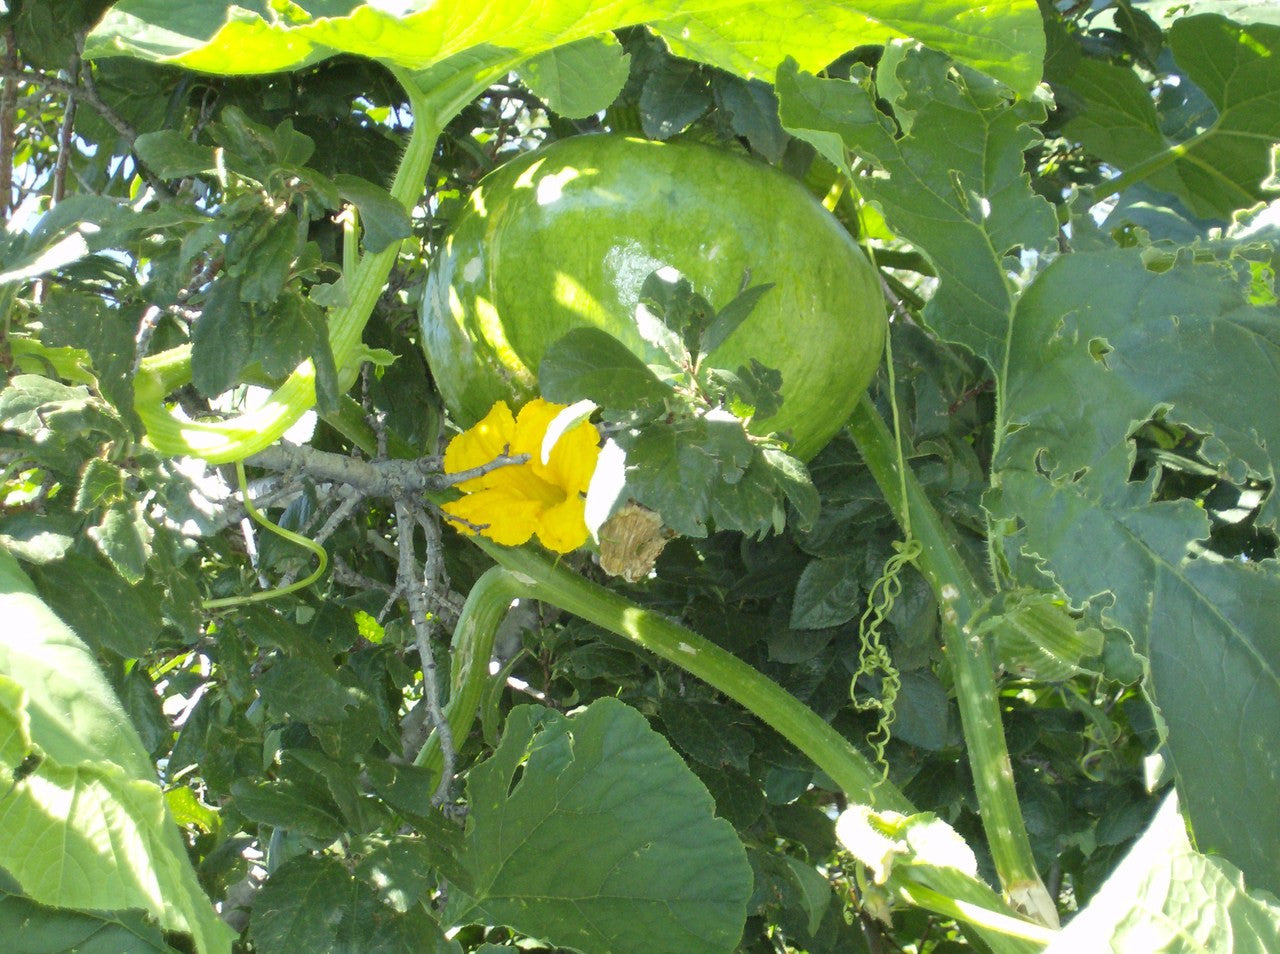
(956,183)
(1227,165)
(87,826)
(1167,898)
(591,833)
(1002,37)
(1099,345)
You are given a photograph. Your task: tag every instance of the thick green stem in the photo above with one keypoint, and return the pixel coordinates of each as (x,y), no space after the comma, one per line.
(550,582)
(473,637)
(959,597)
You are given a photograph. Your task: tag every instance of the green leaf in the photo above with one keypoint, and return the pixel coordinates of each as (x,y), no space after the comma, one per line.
(268,261)
(124,538)
(592,364)
(794,480)
(709,732)
(1227,164)
(106,333)
(956,184)
(581,78)
(44,930)
(221,339)
(752,108)
(603,841)
(1099,345)
(671,473)
(312,903)
(1004,37)
(829,593)
(93,831)
(1036,638)
(96,601)
(674,96)
(382,219)
(171,155)
(1167,898)
(101,485)
(729,317)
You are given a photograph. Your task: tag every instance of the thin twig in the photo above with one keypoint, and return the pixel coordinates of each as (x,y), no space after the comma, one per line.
(415,589)
(86,90)
(63,157)
(335,520)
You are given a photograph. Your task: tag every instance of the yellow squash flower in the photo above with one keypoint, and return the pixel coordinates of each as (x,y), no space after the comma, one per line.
(510,504)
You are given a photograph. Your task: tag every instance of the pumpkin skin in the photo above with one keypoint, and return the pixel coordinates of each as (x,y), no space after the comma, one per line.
(565,236)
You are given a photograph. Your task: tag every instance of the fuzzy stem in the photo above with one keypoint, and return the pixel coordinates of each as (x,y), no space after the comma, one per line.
(959,597)
(793,720)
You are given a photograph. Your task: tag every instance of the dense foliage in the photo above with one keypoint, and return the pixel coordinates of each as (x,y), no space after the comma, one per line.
(257,695)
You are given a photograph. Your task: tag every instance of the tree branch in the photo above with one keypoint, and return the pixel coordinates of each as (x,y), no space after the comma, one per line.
(395,479)
(8,122)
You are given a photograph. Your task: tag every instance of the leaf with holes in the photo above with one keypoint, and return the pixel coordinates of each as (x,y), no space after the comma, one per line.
(1100,345)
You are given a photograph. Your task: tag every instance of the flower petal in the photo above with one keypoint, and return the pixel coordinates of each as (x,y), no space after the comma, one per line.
(506,519)
(480,444)
(573,458)
(563,528)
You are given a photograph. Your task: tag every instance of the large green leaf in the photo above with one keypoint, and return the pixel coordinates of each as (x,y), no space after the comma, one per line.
(313,903)
(1227,164)
(1100,344)
(591,833)
(83,823)
(956,183)
(1167,898)
(747,37)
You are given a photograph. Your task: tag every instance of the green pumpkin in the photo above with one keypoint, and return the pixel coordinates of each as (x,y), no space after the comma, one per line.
(563,237)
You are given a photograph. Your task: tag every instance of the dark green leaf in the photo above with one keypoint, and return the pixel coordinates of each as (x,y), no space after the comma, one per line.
(673,475)
(590,363)
(730,316)
(312,903)
(101,485)
(829,593)
(171,155)
(604,842)
(709,732)
(795,482)
(308,690)
(673,97)
(1100,343)
(221,340)
(107,334)
(578,79)
(299,802)
(269,261)
(752,107)
(382,218)
(45,930)
(1227,163)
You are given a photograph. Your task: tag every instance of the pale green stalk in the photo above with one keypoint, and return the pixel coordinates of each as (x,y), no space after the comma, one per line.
(959,598)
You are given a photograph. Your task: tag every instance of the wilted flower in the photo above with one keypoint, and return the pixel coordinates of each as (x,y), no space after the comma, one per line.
(510,504)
